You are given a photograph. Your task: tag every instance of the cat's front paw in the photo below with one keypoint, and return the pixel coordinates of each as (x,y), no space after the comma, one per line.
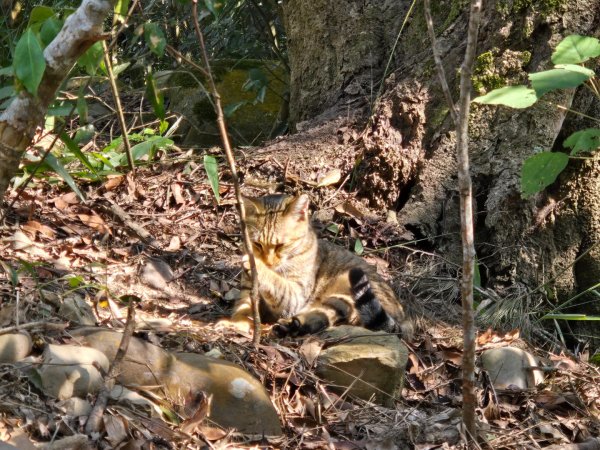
(287,327)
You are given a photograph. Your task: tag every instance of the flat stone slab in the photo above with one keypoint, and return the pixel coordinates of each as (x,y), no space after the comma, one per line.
(368,364)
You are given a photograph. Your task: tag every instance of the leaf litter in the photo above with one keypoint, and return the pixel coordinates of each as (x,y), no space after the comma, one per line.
(60,247)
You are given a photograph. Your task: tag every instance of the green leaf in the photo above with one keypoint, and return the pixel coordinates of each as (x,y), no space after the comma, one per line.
(541,170)
(230,109)
(570,317)
(29,63)
(146,148)
(92,58)
(155,97)
(39,14)
(7,92)
(13,275)
(562,78)
(587,140)
(358,247)
(121,9)
(163,126)
(214,6)
(82,107)
(62,172)
(50,29)
(333,228)
(155,38)
(120,68)
(7,71)
(212,171)
(513,96)
(74,148)
(576,49)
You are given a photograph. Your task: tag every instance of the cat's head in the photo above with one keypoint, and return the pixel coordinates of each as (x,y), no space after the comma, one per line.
(277,224)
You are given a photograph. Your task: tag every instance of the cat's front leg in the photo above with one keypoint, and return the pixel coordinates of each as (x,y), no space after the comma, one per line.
(333,311)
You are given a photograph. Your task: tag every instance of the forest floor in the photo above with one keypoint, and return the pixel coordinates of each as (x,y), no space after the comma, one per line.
(53,243)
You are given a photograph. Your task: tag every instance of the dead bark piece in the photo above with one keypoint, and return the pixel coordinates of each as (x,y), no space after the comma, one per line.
(589,444)
(18,123)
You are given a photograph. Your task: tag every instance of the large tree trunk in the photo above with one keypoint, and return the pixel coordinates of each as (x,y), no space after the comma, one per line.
(408,149)
(18,123)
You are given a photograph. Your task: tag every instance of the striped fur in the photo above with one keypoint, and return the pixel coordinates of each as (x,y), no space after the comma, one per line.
(306,284)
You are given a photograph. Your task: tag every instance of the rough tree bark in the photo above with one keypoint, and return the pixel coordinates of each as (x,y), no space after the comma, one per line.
(407,150)
(18,123)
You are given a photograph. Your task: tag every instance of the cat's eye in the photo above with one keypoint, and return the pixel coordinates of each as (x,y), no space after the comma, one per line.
(279,247)
(257,245)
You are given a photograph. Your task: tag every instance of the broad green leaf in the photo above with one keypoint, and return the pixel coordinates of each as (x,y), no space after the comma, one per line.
(513,96)
(358,247)
(50,29)
(62,172)
(155,97)
(29,63)
(146,148)
(587,140)
(563,78)
(540,171)
(39,14)
(60,110)
(155,38)
(92,58)
(576,49)
(163,127)
(74,148)
(212,171)
(571,317)
(575,68)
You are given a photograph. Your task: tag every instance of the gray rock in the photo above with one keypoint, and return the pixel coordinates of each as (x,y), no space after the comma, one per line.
(239,400)
(157,273)
(510,368)
(69,370)
(370,365)
(14,347)
(76,407)
(77,310)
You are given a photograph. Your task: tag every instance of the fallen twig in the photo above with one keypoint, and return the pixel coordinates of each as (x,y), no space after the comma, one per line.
(39,324)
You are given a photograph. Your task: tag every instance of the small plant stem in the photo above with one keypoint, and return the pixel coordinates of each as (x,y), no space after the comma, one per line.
(564,108)
(461,120)
(234,177)
(438,63)
(466,212)
(118,107)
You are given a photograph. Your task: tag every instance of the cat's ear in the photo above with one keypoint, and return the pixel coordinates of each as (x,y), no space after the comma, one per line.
(251,205)
(299,207)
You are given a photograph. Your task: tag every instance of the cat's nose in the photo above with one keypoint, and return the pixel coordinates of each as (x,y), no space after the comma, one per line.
(270,258)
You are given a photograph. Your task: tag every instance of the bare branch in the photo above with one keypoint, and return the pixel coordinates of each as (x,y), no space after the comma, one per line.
(466,219)
(232,167)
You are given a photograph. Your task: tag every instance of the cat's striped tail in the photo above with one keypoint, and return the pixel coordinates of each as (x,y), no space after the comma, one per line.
(372,314)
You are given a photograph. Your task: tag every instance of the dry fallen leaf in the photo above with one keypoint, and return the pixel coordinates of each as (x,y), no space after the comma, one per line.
(330,178)
(33,226)
(174,244)
(113,181)
(350,210)
(176,190)
(95,221)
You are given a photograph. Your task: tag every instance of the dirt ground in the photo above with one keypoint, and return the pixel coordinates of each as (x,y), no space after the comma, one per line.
(54,246)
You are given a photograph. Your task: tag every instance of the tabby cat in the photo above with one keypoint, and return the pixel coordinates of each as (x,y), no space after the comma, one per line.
(306,284)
